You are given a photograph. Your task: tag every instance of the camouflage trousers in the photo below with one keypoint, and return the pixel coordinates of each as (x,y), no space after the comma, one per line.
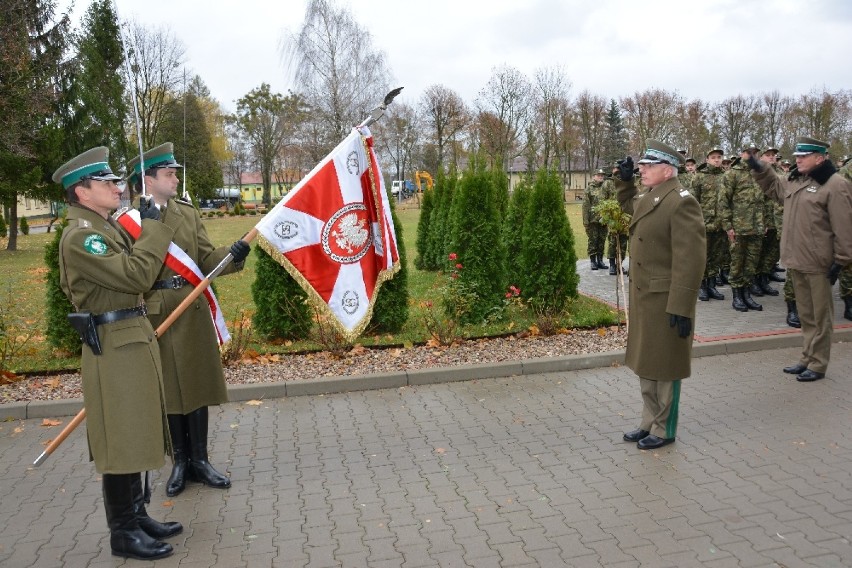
(717,253)
(770,252)
(789,293)
(846,281)
(745,255)
(611,246)
(597,237)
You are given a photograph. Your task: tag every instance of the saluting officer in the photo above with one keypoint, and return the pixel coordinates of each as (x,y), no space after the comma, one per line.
(105,275)
(192,365)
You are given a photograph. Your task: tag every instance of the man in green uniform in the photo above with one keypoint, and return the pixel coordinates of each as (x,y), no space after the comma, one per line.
(613,240)
(667,245)
(192,366)
(105,275)
(741,209)
(815,245)
(706,186)
(846,273)
(595,230)
(770,251)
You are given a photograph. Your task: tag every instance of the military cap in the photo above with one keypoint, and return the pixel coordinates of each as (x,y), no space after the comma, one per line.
(659,153)
(600,171)
(91,164)
(715,150)
(771,149)
(751,146)
(785,162)
(682,152)
(162,156)
(690,160)
(806,145)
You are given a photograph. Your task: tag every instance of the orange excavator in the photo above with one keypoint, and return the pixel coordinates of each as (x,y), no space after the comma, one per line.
(423,176)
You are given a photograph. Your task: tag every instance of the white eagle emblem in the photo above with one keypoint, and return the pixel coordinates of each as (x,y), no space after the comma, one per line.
(350,233)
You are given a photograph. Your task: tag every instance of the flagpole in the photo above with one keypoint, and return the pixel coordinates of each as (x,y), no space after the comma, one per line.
(374,115)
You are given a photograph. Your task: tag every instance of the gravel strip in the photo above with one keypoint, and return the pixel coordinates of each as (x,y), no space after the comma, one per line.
(360,361)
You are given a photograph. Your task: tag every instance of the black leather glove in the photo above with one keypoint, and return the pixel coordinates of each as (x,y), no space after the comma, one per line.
(834,272)
(683,323)
(625,169)
(147,209)
(753,163)
(240,250)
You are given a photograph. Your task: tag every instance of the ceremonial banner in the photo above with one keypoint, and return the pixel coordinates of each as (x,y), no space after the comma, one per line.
(334,233)
(181,263)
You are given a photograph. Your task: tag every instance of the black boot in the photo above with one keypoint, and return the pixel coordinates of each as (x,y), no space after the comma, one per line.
(712,291)
(752,305)
(593,262)
(180,444)
(126,537)
(702,291)
(612,270)
(763,282)
(776,277)
(153,527)
(723,275)
(600,262)
(754,288)
(793,315)
(199,468)
(847,313)
(738,303)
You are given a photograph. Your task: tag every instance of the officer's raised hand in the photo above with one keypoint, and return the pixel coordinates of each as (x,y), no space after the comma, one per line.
(147,209)
(239,250)
(625,168)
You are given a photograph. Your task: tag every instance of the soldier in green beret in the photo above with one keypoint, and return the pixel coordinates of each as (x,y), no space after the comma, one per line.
(192,365)
(105,274)
(667,252)
(595,230)
(815,245)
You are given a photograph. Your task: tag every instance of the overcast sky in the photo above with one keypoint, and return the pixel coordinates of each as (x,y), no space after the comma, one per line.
(707,50)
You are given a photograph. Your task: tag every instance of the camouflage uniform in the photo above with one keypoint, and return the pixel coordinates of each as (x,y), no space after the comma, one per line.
(846,274)
(741,206)
(595,230)
(706,187)
(609,192)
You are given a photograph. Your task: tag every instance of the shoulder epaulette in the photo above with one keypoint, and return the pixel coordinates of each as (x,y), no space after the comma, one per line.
(183,201)
(83,224)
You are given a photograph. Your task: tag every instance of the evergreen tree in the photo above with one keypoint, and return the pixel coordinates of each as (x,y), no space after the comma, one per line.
(282,310)
(514,226)
(615,143)
(60,334)
(476,242)
(440,230)
(423,227)
(548,261)
(25,226)
(390,311)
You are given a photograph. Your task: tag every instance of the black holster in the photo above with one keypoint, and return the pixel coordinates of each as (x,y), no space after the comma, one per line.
(87,329)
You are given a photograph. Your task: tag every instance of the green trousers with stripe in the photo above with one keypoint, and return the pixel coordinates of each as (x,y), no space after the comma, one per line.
(661,400)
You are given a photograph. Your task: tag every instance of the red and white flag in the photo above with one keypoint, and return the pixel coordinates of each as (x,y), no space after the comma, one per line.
(334,233)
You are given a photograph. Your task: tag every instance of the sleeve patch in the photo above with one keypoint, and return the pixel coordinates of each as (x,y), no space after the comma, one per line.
(683,193)
(95,244)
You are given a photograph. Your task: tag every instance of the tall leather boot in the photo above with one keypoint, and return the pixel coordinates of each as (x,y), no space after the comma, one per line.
(702,291)
(793,315)
(600,262)
(752,305)
(847,313)
(199,468)
(763,283)
(126,537)
(154,528)
(738,303)
(180,444)
(754,288)
(612,270)
(593,262)
(712,291)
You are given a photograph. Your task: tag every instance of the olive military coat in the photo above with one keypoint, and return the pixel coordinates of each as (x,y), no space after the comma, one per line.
(667,257)
(101,270)
(192,366)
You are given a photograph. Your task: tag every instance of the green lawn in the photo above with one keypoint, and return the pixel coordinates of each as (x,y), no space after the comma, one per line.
(23,290)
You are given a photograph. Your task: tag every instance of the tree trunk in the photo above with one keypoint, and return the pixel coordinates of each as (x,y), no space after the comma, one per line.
(13,224)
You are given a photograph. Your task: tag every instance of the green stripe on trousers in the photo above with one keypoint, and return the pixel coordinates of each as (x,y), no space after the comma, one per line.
(671,421)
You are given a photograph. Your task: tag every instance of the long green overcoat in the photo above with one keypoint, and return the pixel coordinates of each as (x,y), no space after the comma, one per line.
(101,270)
(192,366)
(667,257)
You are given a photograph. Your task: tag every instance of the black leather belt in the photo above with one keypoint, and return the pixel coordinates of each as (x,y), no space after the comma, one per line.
(173,283)
(118,315)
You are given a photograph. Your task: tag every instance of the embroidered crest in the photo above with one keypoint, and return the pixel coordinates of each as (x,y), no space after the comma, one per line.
(346,237)
(811,189)
(95,244)
(352,163)
(350,302)
(656,200)
(286,229)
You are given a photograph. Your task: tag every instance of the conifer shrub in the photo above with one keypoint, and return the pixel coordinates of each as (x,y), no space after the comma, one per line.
(390,311)
(282,306)
(423,228)
(25,226)
(60,335)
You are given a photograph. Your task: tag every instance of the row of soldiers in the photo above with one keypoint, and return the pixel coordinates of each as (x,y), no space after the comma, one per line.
(743,229)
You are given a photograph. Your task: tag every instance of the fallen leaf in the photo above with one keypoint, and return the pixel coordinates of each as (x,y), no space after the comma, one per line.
(440,451)
(48,422)
(168,503)
(46,443)
(254,403)
(18,429)
(601,332)
(358,349)
(53,383)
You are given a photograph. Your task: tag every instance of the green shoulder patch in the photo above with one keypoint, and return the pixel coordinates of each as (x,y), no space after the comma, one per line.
(95,244)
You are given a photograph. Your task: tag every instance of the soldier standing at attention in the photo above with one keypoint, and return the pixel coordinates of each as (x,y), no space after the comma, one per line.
(613,240)
(741,208)
(105,274)
(192,366)
(595,230)
(816,243)
(667,245)
(770,251)
(706,184)
(846,273)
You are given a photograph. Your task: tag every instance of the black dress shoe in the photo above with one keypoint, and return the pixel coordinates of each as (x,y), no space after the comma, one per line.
(651,442)
(807,376)
(795,369)
(635,435)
